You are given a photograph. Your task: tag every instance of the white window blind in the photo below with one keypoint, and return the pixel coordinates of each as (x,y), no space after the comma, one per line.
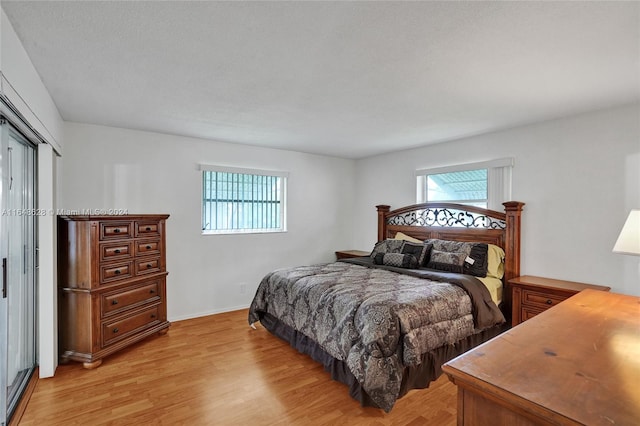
(243,200)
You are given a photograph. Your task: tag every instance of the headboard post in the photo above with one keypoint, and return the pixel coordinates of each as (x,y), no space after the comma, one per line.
(513,211)
(382,221)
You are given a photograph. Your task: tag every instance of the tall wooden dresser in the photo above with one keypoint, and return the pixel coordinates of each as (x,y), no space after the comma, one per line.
(112,284)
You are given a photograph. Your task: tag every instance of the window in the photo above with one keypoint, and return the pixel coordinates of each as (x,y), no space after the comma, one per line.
(243,200)
(486,184)
(466,187)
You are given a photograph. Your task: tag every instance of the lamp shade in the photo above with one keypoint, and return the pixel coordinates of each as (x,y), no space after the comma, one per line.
(629,238)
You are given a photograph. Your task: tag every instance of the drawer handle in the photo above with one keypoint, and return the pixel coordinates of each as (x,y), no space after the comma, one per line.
(114,302)
(152,291)
(548,302)
(117,272)
(116,231)
(148,228)
(115,330)
(153,315)
(149,265)
(148,247)
(117,251)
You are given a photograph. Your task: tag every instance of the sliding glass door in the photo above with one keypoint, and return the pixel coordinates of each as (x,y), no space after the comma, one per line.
(18,254)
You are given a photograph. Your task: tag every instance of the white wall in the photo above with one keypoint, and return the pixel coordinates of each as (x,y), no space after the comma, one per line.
(47,267)
(105,167)
(578,176)
(21,84)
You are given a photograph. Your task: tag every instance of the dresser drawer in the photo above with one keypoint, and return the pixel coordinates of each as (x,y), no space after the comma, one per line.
(528,312)
(147,247)
(116,251)
(147,229)
(115,271)
(119,301)
(120,329)
(541,300)
(148,266)
(116,230)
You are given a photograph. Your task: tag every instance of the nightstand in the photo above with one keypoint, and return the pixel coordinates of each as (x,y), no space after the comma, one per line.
(345,254)
(534,295)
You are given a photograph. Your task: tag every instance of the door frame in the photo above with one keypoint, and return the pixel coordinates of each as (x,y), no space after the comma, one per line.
(8,408)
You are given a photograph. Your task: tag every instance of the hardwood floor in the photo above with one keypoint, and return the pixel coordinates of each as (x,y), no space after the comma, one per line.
(216,370)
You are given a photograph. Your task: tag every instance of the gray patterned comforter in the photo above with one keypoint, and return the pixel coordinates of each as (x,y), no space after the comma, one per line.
(375,320)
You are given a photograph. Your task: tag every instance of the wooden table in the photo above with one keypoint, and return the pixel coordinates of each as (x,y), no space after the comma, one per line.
(576,363)
(533,295)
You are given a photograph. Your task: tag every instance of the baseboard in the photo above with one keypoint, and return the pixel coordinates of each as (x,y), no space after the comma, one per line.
(204,314)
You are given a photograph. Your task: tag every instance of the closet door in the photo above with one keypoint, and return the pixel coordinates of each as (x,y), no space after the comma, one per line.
(18,254)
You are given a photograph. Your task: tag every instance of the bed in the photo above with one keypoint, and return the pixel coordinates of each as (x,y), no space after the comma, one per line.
(384,324)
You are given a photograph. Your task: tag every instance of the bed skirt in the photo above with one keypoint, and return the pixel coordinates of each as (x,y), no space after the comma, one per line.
(415,377)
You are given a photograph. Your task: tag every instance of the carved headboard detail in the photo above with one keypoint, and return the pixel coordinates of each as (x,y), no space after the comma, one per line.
(459,222)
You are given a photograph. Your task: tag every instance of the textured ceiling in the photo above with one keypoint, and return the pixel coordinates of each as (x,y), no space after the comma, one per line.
(349,79)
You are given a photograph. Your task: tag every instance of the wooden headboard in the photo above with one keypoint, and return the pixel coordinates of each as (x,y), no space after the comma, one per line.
(459,222)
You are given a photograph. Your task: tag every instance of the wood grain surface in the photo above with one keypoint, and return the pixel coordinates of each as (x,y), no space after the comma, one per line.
(576,363)
(215,370)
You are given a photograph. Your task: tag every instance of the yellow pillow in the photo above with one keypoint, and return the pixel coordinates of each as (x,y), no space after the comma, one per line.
(495,261)
(405,237)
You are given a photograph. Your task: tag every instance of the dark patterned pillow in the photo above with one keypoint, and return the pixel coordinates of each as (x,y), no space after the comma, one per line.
(447,245)
(475,260)
(386,246)
(398,260)
(447,261)
(420,251)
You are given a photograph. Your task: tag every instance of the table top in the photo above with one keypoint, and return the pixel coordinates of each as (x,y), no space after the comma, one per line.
(579,360)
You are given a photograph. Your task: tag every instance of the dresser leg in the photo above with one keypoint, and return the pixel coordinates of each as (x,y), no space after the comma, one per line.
(92,365)
(163,331)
